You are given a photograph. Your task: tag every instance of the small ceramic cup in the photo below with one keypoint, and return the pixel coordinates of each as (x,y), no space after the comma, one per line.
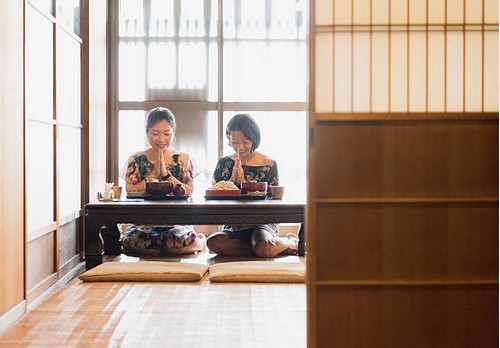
(117,190)
(277,191)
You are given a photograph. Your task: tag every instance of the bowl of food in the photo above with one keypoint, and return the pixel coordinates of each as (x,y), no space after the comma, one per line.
(159,188)
(247,187)
(223,189)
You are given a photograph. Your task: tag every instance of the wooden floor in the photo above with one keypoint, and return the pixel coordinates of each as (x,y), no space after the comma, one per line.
(199,314)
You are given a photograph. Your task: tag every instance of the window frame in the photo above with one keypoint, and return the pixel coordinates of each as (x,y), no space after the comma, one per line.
(219,106)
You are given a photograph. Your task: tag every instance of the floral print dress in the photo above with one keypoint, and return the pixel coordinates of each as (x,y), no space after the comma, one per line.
(152,239)
(265,173)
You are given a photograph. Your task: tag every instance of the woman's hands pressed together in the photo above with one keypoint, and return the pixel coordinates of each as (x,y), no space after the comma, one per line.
(163,166)
(238,175)
(164,173)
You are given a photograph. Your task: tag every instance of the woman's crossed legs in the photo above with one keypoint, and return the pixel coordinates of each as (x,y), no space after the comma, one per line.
(257,241)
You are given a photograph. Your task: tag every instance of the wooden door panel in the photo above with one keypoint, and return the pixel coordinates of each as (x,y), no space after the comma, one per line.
(406,159)
(408,316)
(439,242)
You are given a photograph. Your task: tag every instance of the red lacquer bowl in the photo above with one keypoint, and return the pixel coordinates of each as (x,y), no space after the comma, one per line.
(159,188)
(253,186)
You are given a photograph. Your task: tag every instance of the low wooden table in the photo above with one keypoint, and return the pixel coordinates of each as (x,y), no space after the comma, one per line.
(102,234)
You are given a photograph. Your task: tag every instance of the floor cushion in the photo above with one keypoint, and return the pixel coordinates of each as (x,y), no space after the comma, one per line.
(258,271)
(145,271)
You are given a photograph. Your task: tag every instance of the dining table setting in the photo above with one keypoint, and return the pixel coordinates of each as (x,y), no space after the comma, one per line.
(161,205)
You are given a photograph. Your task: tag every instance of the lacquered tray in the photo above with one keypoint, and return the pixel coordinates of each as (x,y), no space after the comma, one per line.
(235,198)
(169,197)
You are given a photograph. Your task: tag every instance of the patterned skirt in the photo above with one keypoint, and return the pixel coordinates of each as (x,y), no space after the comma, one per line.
(155,240)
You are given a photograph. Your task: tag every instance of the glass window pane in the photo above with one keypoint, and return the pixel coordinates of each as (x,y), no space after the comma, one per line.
(69,188)
(131,72)
(284,22)
(267,60)
(162,18)
(39,66)
(131,18)
(286,146)
(43,5)
(68,15)
(192,66)
(68,79)
(162,62)
(251,19)
(39,175)
(264,71)
(191,21)
(168,51)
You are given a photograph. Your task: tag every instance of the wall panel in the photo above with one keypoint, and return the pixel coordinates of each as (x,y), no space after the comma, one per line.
(407,316)
(41,263)
(70,240)
(398,159)
(415,242)
(11,156)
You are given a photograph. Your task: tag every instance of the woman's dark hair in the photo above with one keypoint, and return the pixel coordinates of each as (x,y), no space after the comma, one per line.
(246,124)
(160,114)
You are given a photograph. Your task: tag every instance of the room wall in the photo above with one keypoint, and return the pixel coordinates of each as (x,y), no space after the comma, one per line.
(34,265)
(12,250)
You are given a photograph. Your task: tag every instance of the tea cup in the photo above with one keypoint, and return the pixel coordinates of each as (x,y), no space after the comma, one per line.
(117,191)
(277,191)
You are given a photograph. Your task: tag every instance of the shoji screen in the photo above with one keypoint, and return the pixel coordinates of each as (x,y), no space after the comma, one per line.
(403,173)
(409,56)
(54,133)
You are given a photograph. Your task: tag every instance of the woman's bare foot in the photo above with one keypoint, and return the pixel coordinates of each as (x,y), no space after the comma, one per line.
(293,242)
(204,239)
(199,244)
(292,236)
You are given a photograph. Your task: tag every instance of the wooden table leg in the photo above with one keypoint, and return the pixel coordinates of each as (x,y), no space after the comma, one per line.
(302,240)
(93,244)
